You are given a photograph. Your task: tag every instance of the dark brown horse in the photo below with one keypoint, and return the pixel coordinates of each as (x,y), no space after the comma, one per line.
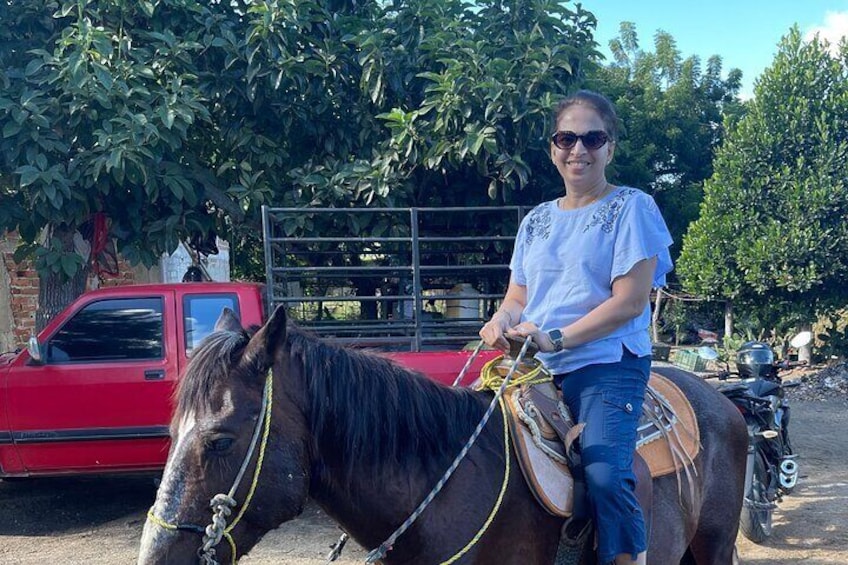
(368,439)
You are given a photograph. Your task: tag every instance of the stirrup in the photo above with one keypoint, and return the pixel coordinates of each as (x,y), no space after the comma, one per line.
(575,531)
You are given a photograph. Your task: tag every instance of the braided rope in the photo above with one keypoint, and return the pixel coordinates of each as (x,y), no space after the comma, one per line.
(222,504)
(380,551)
(500,498)
(528,416)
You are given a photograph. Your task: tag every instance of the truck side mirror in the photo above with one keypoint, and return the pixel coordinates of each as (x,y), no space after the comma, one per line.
(34,350)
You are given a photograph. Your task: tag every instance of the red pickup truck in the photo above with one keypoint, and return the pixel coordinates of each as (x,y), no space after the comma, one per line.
(94,395)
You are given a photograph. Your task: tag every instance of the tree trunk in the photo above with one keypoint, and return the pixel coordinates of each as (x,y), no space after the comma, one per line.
(56,291)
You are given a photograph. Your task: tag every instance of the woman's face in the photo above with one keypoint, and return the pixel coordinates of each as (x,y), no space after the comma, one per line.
(582,168)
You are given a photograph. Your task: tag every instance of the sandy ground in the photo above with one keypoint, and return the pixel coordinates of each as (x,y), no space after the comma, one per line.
(99,520)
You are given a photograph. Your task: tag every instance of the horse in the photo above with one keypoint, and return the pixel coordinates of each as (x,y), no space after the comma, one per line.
(368,439)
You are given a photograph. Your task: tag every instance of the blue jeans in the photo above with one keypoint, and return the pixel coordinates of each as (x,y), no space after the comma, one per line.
(608,398)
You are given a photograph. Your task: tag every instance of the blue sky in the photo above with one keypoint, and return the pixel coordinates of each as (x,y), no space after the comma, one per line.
(745,33)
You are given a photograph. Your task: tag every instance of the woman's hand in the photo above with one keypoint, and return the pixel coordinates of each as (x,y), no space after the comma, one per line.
(540,338)
(492,332)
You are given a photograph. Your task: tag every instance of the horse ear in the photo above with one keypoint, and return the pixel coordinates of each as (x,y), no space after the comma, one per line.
(228,321)
(274,332)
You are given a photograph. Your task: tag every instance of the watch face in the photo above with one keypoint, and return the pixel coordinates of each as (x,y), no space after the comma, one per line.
(556,338)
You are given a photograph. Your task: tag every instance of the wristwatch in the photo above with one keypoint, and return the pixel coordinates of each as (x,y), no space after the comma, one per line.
(557,339)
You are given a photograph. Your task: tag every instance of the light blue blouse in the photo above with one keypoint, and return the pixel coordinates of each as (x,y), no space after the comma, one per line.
(568,260)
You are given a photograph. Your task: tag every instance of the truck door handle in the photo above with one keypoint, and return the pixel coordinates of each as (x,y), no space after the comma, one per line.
(154,374)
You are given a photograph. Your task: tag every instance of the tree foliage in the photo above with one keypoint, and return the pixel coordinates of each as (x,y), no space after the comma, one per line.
(178,117)
(772,231)
(672,109)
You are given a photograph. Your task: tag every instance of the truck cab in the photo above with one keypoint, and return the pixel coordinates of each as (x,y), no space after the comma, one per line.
(94,393)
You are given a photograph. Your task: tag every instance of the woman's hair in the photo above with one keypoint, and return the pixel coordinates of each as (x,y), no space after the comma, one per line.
(598,102)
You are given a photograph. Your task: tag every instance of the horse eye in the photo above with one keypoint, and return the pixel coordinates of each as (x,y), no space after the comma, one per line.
(219,445)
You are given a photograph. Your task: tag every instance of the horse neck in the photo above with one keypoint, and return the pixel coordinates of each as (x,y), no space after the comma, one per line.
(382,437)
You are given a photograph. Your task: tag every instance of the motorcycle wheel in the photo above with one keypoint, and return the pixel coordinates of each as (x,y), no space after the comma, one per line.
(755,521)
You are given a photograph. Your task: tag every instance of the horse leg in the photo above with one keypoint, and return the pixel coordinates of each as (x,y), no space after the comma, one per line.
(715,539)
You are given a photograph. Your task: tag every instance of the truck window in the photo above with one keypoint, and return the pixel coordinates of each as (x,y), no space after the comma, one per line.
(110,330)
(201,311)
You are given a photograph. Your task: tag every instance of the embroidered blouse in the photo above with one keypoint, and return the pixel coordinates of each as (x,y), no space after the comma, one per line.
(568,260)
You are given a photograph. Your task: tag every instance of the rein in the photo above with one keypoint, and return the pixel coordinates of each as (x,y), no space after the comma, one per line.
(222,504)
(380,552)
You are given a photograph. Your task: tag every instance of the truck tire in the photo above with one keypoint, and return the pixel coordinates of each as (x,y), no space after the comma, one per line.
(755,521)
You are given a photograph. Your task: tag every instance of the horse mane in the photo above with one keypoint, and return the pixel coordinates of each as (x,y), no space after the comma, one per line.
(210,361)
(363,409)
(366,410)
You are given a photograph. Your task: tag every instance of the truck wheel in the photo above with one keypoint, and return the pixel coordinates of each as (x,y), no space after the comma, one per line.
(755,521)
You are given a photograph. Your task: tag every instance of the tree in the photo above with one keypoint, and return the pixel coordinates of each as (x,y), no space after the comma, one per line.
(672,109)
(163,120)
(100,107)
(772,232)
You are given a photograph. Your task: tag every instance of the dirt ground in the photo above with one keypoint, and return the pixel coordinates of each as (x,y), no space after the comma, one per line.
(99,520)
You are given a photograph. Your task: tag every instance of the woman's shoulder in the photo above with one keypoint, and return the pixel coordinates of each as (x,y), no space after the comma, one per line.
(630,197)
(539,212)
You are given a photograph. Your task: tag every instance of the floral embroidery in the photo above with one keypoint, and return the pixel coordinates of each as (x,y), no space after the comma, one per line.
(606,215)
(539,223)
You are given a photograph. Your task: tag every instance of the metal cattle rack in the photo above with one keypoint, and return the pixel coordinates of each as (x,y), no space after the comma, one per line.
(396,278)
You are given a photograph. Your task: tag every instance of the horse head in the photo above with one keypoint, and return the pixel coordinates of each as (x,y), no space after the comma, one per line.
(228,408)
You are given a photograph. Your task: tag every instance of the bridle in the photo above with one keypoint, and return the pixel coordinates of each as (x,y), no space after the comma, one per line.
(222,504)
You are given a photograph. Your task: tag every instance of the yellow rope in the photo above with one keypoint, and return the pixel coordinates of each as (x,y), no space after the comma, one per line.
(491,380)
(269,384)
(498,502)
(158,521)
(267,424)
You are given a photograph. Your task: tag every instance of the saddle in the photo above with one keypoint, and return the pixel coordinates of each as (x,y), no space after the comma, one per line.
(543,431)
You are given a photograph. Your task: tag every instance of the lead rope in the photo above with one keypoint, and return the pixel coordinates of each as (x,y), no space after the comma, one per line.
(222,504)
(336,548)
(380,552)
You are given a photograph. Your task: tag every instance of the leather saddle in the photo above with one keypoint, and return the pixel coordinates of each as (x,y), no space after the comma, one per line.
(542,430)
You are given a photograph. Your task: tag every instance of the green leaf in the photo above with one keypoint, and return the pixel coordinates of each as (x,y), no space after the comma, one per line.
(29,175)
(11,128)
(70,265)
(33,67)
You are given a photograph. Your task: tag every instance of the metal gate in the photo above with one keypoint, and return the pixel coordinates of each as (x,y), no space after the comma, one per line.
(423,278)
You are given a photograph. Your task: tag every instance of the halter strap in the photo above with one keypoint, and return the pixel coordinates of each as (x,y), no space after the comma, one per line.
(222,504)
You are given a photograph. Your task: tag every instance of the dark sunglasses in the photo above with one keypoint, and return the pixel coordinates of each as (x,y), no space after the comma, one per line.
(592,140)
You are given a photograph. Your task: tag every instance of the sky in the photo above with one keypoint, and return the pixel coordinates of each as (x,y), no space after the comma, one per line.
(745,33)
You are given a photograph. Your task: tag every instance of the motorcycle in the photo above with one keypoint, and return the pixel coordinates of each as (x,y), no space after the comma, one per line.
(772,468)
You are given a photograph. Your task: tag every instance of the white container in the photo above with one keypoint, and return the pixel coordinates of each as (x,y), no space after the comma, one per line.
(463,308)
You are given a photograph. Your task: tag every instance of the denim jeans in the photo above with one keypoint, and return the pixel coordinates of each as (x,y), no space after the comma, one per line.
(608,398)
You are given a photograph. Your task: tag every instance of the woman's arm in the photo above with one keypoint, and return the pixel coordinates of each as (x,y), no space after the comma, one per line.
(506,317)
(630,294)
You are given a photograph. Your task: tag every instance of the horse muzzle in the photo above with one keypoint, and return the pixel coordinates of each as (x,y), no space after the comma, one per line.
(160,546)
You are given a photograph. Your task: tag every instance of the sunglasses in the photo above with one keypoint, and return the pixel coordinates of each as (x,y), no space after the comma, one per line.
(592,140)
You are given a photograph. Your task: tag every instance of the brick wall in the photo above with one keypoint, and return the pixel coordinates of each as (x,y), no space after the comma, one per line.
(19,293)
